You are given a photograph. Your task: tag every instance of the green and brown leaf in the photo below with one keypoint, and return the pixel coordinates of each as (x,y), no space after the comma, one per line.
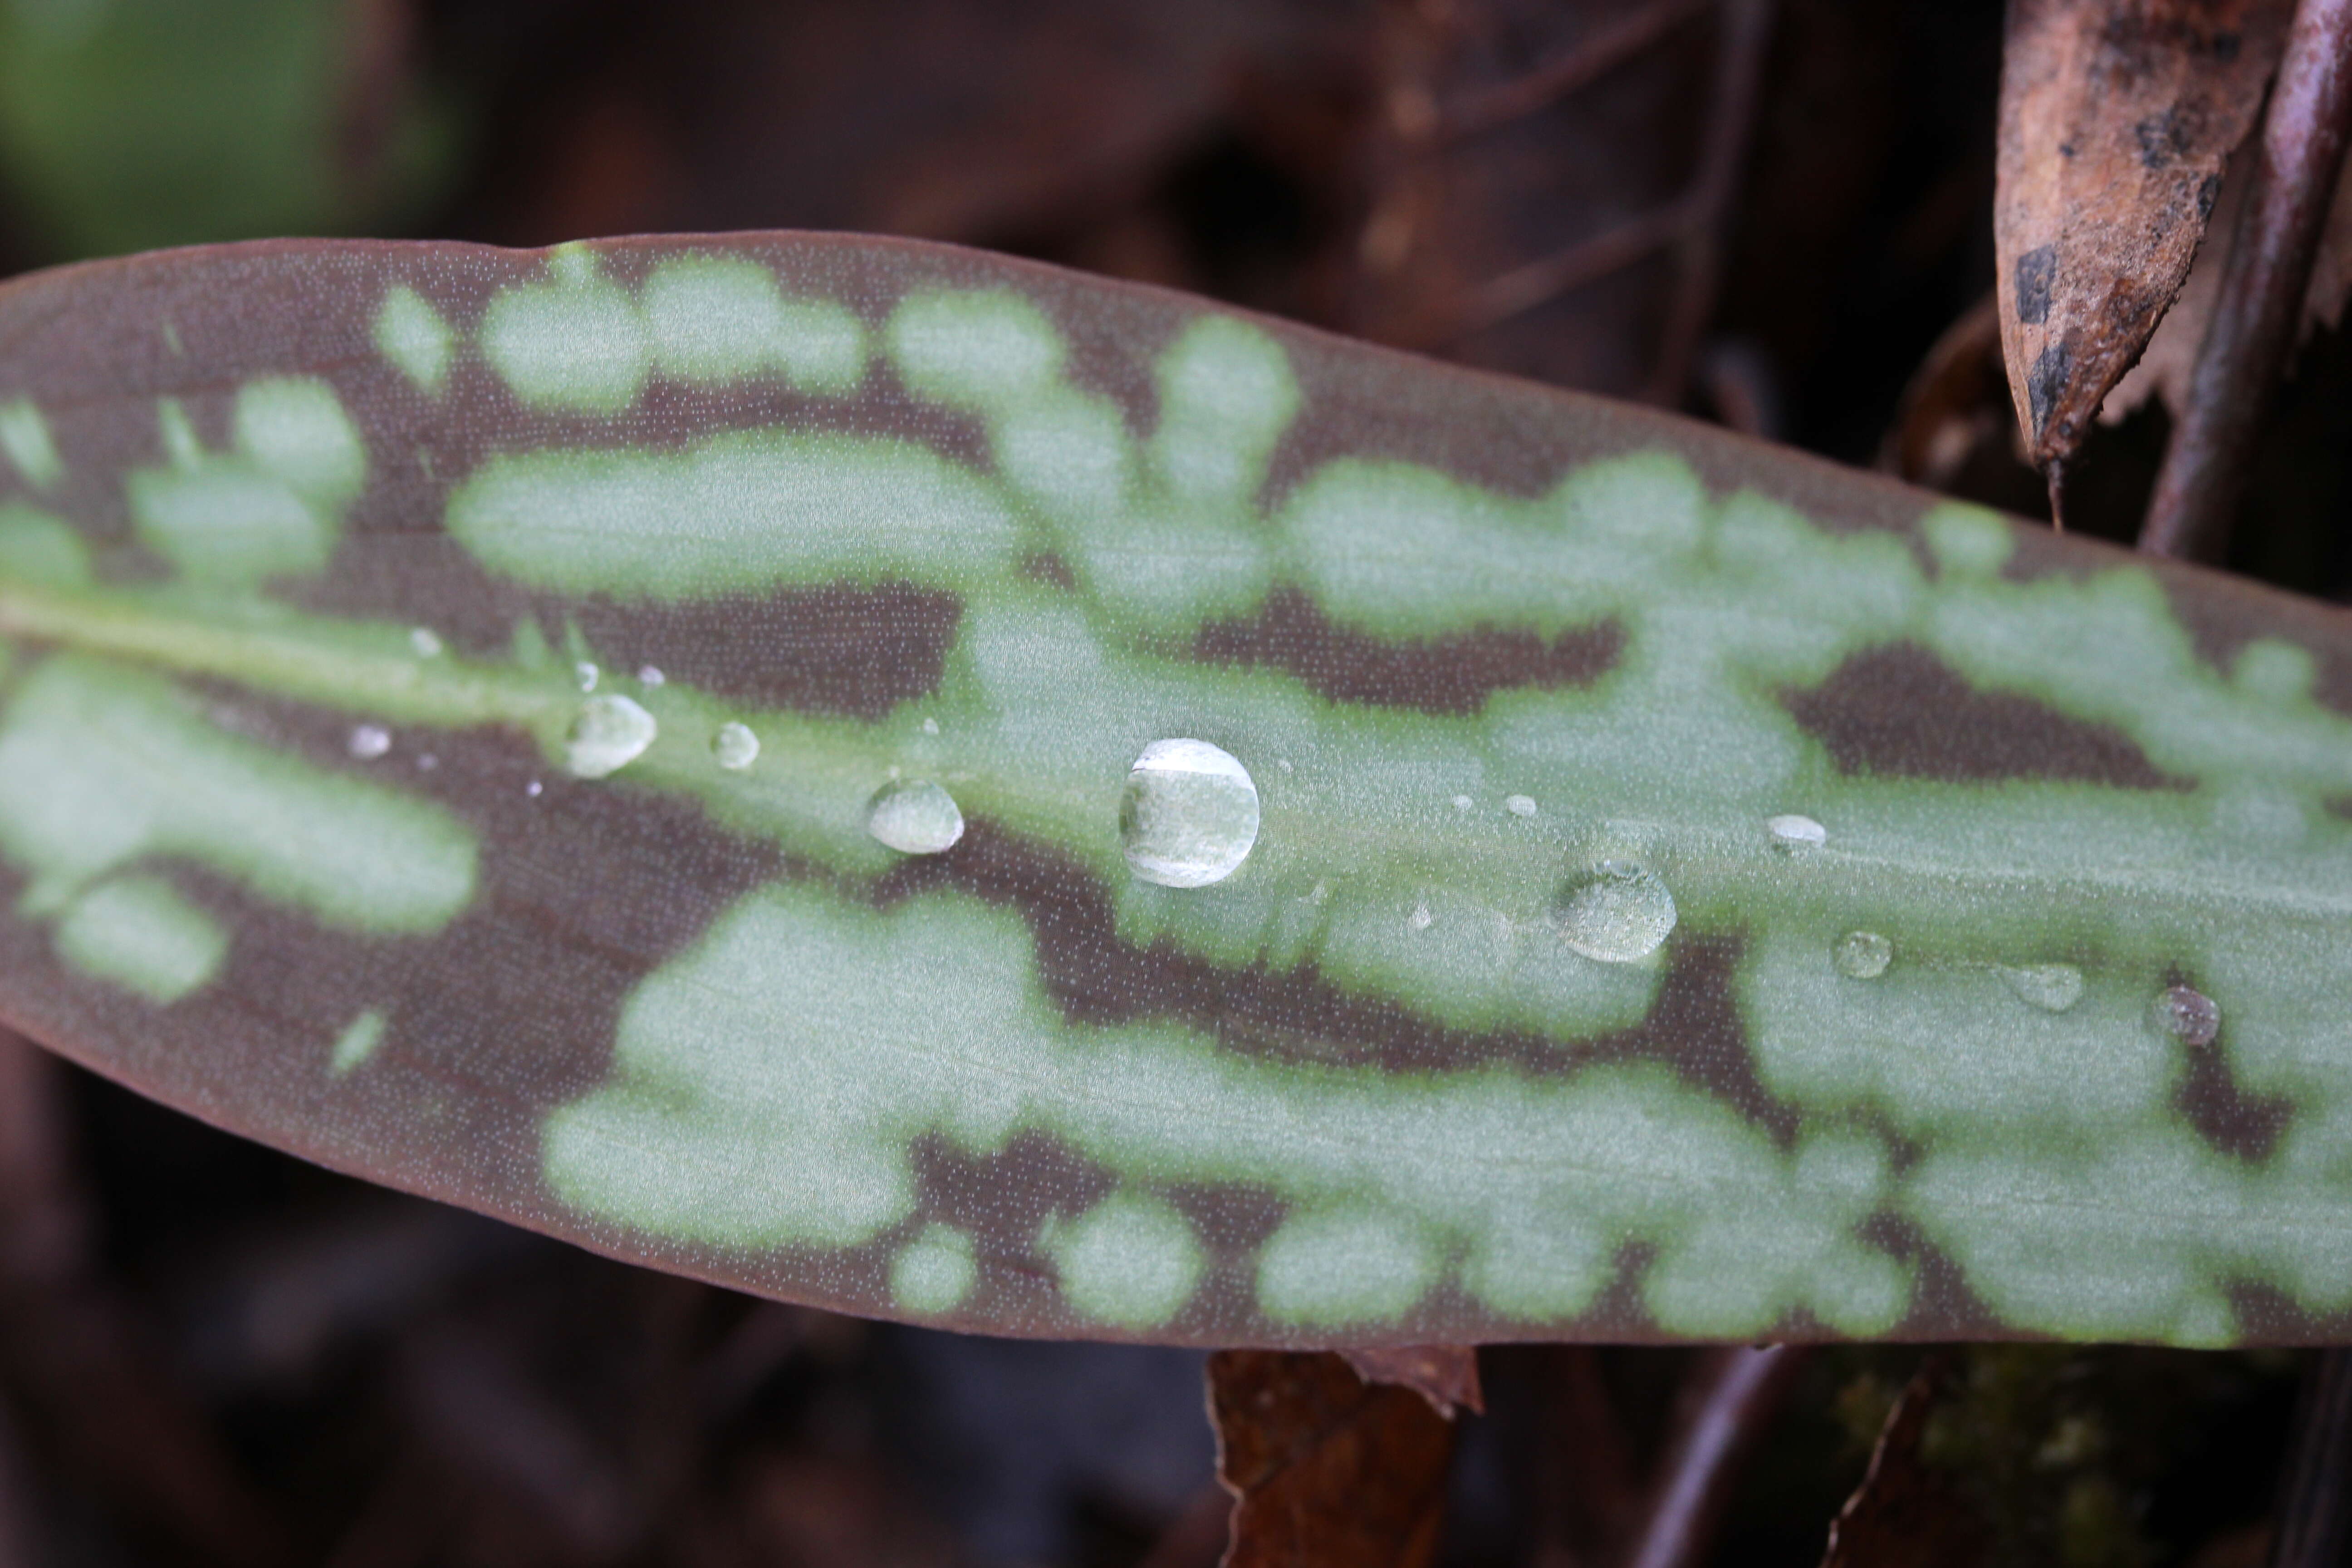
(638,739)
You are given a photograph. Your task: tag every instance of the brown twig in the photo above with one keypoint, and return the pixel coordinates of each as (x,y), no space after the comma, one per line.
(1593,57)
(1740,51)
(2314,1514)
(1523,288)
(1741,1393)
(2260,302)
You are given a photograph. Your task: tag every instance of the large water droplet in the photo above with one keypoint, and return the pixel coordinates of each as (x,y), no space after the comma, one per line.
(2187,1013)
(1862,954)
(1617,911)
(1190,814)
(914,816)
(735,747)
(369,741)
(608,733)
(1793,832)
(2052,988)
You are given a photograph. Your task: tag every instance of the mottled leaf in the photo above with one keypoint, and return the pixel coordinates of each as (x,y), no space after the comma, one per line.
(2117,117)
(1325,1466)
(932,786)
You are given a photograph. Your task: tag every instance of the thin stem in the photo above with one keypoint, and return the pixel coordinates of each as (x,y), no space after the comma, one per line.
(2260,303)
(2314,1514)
(1745,37)
(1592,58)
(1742,1393)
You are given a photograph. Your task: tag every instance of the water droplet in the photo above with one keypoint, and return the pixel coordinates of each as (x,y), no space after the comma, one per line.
(1521,805)
(1190,814)
(1419,919)
(2187,1013)
(1616,912)
(930,726)
(607,734)
(585,674)
(735,747)
(914,816)
(369,741)
(1284,764)
(427,763)
(652,676)
(2052,988)
(426,641)
(532,788)
(1795,832)
(1462,802)
(1862,954)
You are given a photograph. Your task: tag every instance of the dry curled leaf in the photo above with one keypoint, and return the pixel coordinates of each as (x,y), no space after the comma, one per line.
(2117,117)
(1445,1375)
(1324,1467)
(1903,1513)
(2164,367)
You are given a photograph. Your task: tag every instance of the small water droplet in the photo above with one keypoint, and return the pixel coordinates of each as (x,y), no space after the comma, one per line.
(426,641)
(1190,815)
(586,674)
(532,788)
(427,763)
(930,726)
(914,816)
(1462,802)
(2052,988)
(1521,805)
(1284,764)
(1419,919)
(651,675)
(607,734)
(1795,832)
(369,741)
(1617,911)
(735,747)
(1862,954)
(2187,1013)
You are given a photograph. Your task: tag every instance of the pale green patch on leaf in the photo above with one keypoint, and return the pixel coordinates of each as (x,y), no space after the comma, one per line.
(411,333)
(356,1044)
(35,547)
(985,350)
(720,321)
(740,514)
(272,507)
(575,343)
(102,766)
(934,1273)
(1345,1267)
(1130,1261)
(25,438)
(139,932)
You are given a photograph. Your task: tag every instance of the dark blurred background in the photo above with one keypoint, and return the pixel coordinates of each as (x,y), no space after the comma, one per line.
(1775,216)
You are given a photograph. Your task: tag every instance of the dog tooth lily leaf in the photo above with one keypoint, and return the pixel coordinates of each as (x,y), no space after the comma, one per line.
(931,785)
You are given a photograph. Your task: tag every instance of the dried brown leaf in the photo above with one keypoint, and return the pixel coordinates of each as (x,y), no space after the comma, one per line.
(2164,368)
(1903,1515)
(1326,1469)
(1445,1375)
(2117,117)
